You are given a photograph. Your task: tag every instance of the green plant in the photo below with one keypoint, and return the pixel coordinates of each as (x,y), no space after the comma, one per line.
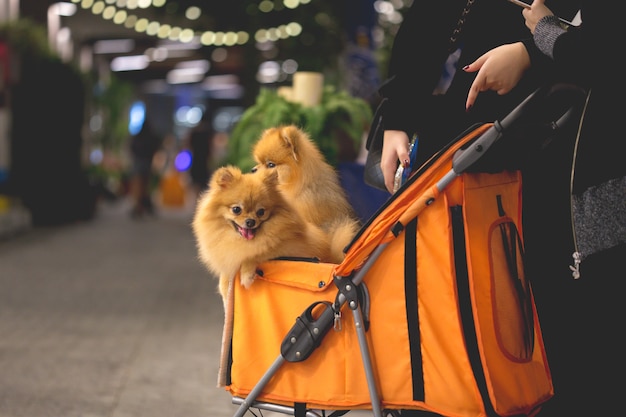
(337,124)
(112,100)
(27,38)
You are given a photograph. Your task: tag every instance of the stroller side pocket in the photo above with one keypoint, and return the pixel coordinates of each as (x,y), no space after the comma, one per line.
(514,321)
(508,334)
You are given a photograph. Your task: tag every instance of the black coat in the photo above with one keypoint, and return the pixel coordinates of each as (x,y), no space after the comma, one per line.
(583,56)
(578,316)
(419,52)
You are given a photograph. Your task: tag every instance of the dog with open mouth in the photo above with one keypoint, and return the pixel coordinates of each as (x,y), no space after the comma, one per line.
(243,220)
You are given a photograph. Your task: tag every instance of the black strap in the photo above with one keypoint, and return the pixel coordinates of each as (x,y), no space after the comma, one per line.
(465,306)
(412,312)
(299,410)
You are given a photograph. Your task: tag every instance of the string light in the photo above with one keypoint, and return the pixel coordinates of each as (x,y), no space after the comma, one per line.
(112,10)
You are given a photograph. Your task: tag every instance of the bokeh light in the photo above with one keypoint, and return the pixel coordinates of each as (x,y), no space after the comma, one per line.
(182,162)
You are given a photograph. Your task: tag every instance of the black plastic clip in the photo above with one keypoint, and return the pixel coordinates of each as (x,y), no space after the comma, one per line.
(307,334)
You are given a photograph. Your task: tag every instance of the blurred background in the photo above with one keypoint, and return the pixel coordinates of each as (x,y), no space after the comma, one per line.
(78,78)
(113,113)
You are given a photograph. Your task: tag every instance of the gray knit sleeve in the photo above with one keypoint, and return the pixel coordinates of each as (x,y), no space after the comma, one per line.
(547,31)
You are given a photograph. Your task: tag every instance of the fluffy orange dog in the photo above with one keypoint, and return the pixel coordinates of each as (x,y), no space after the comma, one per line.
(308,182)
(243,220)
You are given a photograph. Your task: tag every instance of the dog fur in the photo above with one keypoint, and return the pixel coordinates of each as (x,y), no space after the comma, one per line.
(243,220)
(308,182)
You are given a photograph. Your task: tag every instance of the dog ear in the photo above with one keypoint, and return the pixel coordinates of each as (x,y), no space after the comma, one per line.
(290,135)
(225,176)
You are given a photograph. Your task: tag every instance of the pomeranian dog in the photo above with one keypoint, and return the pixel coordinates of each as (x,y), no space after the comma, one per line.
(308,182)
(243,220)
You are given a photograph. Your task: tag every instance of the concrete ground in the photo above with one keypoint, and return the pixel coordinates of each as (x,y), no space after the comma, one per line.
(112,317)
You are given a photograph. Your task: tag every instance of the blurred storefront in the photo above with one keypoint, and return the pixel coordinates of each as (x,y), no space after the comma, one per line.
(65,95)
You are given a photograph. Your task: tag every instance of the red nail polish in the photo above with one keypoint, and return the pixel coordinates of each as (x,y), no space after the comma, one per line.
(468,109)
(465,67)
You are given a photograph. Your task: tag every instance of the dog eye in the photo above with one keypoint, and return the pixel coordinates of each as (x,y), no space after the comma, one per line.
(254,169)
(260,212)
(236,210)
(270,165)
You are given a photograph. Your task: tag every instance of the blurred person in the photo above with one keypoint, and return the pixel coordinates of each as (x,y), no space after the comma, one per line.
(581,307)
(200,143)
(173,184)
(425,94)
(143,147)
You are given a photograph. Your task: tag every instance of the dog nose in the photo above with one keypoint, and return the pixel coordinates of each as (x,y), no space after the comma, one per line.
(250,223)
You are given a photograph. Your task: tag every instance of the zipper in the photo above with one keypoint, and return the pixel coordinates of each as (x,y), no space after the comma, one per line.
(576,256)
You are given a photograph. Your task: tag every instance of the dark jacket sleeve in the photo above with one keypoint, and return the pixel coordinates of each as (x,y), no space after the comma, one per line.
(419,51)
(564,47)
(415,63)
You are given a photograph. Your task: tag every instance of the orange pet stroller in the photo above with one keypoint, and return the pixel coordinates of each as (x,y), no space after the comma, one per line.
(443,316)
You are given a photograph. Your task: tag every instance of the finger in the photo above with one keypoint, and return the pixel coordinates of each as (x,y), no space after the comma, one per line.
(471,98)
(389,182)
(475,88)
(476,65)
(403,157)
(388,169)
(470,67)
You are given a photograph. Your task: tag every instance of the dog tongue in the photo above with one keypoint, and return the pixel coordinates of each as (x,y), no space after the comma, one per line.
(246,233)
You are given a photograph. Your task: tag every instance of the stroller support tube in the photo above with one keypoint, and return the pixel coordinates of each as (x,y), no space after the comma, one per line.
(367,362)
(249,400)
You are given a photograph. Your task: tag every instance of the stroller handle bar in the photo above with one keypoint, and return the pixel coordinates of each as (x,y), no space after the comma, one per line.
(465,158)
(552,106)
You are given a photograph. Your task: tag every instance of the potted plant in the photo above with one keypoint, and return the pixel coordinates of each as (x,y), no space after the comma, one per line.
(336,124)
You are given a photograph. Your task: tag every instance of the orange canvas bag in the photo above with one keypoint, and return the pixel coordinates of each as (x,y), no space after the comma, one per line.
(450,318)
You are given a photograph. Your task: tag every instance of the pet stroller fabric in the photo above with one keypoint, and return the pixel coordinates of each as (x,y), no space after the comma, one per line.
(449,313)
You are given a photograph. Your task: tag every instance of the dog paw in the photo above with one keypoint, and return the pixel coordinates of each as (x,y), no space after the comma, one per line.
(246,282)
(247,274)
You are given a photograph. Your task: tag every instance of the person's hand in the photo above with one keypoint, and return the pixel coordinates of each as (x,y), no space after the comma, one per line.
(535,13)
(395,148)
(499,69)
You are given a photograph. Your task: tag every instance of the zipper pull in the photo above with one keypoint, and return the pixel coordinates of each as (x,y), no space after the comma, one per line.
(337,321)
(576,267)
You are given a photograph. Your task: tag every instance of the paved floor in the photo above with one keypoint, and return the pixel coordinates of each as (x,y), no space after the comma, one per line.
(110,318)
